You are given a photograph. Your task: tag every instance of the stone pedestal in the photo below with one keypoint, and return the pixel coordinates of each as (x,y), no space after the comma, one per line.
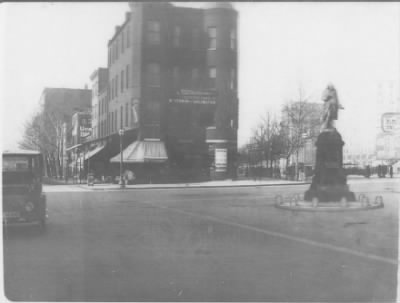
(329,181)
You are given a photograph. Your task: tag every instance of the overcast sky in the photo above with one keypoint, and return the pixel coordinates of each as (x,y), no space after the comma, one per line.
(282,46)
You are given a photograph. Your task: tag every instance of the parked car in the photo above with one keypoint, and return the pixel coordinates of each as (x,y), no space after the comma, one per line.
(23,200)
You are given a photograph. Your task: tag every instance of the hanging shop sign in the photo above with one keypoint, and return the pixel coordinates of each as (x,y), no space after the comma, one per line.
(221,159)
(391,122)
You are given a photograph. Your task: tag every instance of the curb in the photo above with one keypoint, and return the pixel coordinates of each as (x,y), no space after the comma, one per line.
(190,186)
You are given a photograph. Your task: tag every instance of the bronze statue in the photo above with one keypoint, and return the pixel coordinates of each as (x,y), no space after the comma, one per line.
(331,107)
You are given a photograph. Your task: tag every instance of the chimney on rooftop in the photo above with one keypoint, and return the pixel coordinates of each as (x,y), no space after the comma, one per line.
(127,15)
(117,28)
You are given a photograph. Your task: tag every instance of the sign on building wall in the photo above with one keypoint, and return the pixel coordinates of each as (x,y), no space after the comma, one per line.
(85,126)
(388,146)
(185,96)
(81,127)
(221,159)
(135,112)
(391,122)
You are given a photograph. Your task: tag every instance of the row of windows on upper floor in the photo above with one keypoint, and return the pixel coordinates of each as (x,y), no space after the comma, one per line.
(108,126)
(119,45)
(188,78)
(194,78)
(153,37)
(120,82)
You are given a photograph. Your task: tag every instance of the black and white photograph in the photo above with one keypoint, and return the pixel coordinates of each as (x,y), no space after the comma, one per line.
(200,151)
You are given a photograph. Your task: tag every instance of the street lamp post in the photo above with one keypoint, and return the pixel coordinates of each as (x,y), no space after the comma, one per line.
(88,164)
(121,181)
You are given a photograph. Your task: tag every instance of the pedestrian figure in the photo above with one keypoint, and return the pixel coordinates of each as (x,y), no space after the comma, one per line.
(367,172)
(391,171)
(384,170)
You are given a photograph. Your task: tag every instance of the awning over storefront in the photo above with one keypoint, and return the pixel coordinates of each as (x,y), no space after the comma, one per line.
(74,147)
(143,151)
(93,152)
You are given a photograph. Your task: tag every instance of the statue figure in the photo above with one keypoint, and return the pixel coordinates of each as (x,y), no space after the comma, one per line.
(331,107)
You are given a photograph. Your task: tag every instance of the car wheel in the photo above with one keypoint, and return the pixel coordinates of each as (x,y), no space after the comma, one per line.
(42,225)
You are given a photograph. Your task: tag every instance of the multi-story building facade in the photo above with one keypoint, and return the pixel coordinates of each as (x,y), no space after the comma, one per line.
(99,80)
(172,87)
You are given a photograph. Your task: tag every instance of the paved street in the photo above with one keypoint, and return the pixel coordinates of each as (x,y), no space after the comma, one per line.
(204,244)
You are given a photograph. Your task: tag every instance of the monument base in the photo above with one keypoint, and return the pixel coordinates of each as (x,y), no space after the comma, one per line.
(328,193)
(329,181)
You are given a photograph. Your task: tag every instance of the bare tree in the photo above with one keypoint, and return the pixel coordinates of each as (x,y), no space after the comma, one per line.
(300,120)
(43,132)
(266,139)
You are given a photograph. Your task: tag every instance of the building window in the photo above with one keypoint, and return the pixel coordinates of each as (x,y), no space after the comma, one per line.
(153,33)
(112,89)
(128,38)
(112,53)
(122,81)
(153,74)
(116,120)
(233,79)
(212,37)
(195,77)
(212,76)
(196,38)
(121,117)
(176,42)
(116,86)
(233,39)
(122,41)
(111,123)
(126,114)
(176,77)
(127,76)
(116,49)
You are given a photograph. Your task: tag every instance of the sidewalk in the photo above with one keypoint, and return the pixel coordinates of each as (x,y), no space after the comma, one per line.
(209,184)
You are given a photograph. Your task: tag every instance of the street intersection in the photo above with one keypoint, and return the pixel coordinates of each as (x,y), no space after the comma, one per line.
(204,244)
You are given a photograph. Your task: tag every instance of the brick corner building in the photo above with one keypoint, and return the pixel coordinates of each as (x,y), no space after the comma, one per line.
(172,88)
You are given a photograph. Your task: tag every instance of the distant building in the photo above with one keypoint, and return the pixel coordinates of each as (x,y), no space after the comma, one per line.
(58,105)
(358,159)
(387,144)
(388,147)
(172,88)
(81,132)
(99,80)
(62,103)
